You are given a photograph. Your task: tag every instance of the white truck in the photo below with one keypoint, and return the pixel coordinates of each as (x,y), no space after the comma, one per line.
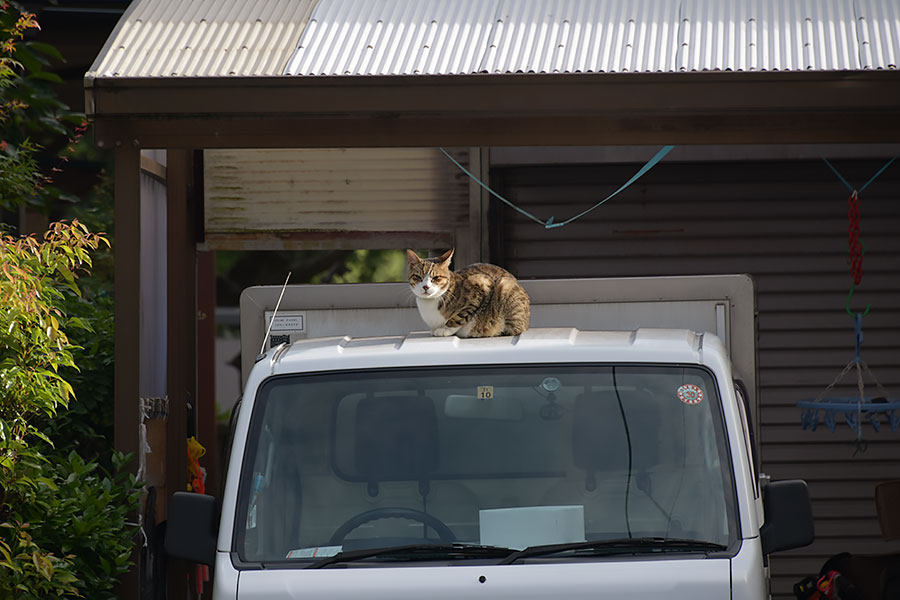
(607,452)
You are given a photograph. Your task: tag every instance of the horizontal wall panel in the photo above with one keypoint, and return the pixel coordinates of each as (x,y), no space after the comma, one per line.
(274,197)
(818,448)
(788,414)
(818,377)
(633,226)
(842,337)
(843,508)
(624,265)
(849,528)
(828,547)
(835,359)
(835,318)
(739,248)
(785,223)
(820,472)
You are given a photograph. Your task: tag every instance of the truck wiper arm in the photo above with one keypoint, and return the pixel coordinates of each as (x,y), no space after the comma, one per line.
(417,552)
(618,546)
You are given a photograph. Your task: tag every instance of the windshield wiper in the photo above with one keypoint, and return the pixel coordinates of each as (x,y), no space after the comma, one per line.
(416,552)
(617,546)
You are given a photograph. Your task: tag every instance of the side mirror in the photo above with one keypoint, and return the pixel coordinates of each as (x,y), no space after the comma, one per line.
(789,521)
(191,529)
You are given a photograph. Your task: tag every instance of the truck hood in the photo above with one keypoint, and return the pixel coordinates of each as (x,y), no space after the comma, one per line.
(634,579)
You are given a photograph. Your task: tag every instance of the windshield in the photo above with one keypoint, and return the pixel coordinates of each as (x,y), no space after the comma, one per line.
(509,456)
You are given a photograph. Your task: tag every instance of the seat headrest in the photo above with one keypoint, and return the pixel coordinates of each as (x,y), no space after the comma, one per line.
(396,438)
(599,441)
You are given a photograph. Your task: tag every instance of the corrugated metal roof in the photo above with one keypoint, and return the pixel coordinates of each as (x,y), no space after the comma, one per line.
(583,37)
(213,38)
(879,33)
(391,37)
(174,38)
(769,35)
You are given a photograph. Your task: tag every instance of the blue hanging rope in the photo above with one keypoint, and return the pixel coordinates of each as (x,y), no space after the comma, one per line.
(550,223)
(495,194)
(866,184)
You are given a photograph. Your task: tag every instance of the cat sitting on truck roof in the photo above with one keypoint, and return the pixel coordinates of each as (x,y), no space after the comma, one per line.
(480,300)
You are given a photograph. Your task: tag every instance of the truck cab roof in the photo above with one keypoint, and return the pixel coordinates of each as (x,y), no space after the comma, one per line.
(551,344)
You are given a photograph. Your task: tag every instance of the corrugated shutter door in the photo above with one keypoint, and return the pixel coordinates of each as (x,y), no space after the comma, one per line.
(786,224)
(333,198)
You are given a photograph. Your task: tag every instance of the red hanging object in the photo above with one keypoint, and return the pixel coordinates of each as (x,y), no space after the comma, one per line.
(854,244)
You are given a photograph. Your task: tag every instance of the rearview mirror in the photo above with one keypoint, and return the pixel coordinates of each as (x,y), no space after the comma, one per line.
(496,408)
(789,520)
(191,529)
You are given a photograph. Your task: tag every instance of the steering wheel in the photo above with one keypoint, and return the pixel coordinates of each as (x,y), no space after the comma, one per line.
(392,512)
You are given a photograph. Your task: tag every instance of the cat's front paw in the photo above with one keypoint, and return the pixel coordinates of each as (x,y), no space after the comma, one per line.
(443,331)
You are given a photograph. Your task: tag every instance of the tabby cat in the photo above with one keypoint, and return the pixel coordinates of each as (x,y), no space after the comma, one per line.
(480,300)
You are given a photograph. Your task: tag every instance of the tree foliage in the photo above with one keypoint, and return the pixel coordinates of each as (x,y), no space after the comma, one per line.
(62,518)
(63,530)
(33,342)
(31,115)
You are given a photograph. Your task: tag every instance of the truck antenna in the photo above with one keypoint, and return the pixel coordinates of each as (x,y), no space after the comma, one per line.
(272,320)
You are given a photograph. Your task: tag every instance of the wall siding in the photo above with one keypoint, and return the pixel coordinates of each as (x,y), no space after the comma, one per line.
(271,199)
(786,224)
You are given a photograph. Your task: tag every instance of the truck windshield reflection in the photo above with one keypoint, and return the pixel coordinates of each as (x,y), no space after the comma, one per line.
(470,458)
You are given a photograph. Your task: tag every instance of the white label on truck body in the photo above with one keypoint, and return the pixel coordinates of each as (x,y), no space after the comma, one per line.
(287,321)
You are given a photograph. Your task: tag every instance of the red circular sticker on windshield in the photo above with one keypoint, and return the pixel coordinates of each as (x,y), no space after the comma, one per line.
(690,394)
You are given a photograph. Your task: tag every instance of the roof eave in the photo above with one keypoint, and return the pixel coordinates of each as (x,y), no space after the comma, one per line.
(496,109)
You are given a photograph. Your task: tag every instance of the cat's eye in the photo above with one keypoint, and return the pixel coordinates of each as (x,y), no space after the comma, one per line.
(415,278)
(438,280)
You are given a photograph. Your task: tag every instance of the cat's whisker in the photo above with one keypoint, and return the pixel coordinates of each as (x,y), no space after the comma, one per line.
(409,296)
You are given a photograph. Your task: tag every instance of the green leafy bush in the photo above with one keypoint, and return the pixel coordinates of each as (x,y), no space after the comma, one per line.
(63,506)
(63,528)
(28,570)
(68,530)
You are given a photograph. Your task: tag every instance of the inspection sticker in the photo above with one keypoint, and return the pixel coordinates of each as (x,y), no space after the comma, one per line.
(690,394)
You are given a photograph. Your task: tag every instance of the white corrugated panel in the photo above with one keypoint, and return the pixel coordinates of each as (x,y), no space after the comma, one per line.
(393,37)
(408,37)
(583,36)
(768,35)
(269,194)
(879,33)
(785,223)
(207,38)
(219,38)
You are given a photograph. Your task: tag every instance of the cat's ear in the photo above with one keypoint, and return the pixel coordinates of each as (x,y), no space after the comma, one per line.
(444,258)
(413,257)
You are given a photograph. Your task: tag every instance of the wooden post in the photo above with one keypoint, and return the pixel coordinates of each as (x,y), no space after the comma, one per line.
(181,358)
(206,368)
(127,253)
